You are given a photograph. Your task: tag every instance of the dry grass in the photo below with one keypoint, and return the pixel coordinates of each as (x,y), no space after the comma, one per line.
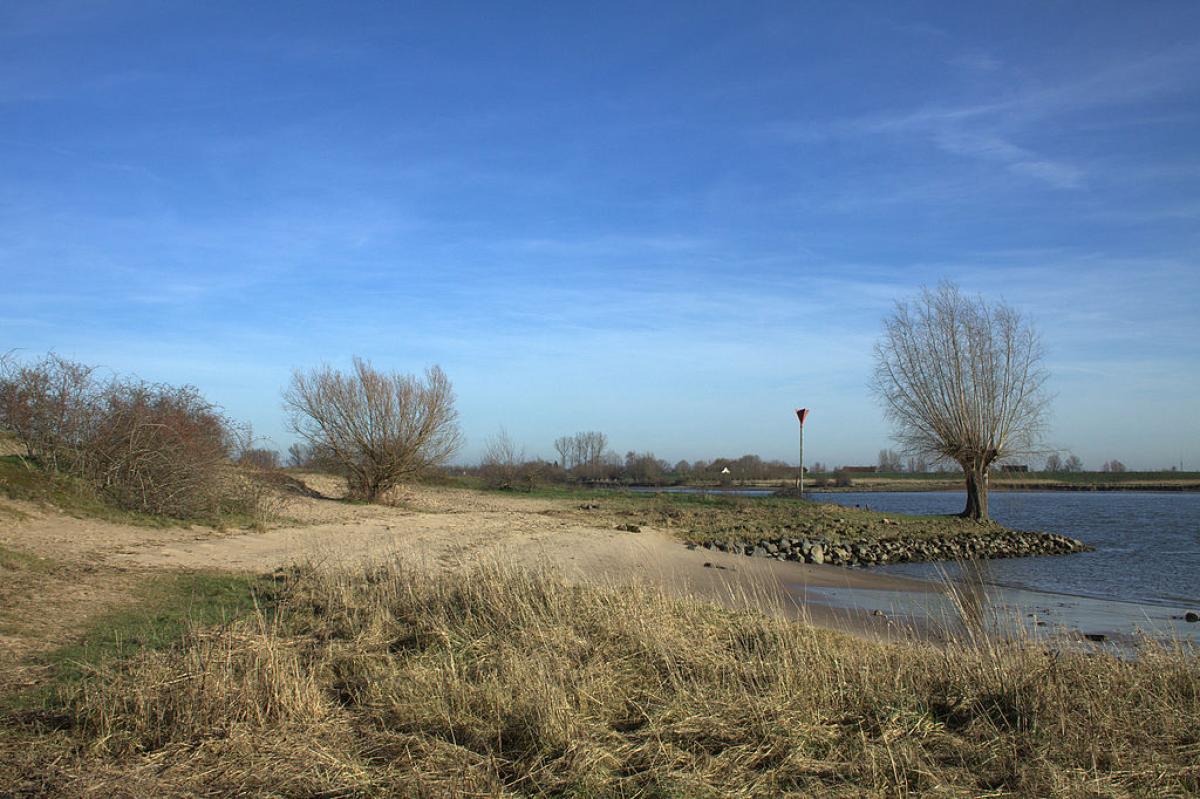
(510,683)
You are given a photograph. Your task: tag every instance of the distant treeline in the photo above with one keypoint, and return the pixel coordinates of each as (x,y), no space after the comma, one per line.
(585,458)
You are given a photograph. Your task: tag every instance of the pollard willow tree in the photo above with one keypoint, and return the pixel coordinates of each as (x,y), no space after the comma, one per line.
(962,380)
(378,428)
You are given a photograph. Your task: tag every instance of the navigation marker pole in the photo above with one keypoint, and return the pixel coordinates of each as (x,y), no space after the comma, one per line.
(801,414)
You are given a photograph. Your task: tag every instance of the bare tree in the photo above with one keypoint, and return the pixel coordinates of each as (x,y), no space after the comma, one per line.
(582,453)
(502,461)
(379,428)
(591,450)
(299,456)
(1054,463)
(1072,464)
(260,458)
(962,380)
(644,468)
(1113,466)
(917,464)
(565,447)
(889,461)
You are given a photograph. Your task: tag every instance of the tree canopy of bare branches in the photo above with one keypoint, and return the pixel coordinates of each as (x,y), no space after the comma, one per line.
(582,453)
(962,380)
(502,462)
(889,461)
(379,428)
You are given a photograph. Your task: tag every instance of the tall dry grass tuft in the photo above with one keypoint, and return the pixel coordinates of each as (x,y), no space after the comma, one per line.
(217,683)
(505,682)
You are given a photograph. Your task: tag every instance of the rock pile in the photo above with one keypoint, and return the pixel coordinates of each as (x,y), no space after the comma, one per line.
(863,552)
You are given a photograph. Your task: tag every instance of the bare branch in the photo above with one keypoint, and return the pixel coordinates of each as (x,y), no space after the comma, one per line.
(379,428)
(961,380)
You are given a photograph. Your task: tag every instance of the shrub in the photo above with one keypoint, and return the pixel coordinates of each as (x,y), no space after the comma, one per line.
(379,428)
(161,449)
(50,407)
(145,447)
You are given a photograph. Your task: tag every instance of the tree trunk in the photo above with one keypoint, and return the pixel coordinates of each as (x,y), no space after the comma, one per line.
(977,493)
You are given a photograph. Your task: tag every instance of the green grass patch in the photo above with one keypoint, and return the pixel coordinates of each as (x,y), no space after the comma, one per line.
(165,607)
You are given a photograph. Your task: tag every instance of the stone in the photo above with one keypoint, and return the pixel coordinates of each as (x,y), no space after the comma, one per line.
(816,554)
(1191,617)
(758,552)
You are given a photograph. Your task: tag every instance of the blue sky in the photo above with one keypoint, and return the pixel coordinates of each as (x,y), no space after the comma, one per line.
(670,222)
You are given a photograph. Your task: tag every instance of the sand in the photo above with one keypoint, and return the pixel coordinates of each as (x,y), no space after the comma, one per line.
(96,564)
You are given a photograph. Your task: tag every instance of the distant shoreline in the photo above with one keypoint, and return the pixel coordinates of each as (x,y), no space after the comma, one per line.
(922,486)
(896,489)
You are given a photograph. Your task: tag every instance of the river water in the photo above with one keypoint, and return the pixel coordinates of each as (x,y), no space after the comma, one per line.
(1142,577)
(1147,544)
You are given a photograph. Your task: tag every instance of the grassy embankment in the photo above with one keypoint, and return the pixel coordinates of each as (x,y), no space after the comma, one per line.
(698,518)
(500,683)
(22,480)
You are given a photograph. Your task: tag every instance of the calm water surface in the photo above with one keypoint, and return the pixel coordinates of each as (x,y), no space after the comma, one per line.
(1147,544)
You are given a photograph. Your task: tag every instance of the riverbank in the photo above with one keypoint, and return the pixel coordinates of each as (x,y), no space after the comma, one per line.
(500,681)
(504,644)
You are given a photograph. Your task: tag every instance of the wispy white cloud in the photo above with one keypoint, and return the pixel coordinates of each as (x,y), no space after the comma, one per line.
(1020,160)
(976,61)
(992,128)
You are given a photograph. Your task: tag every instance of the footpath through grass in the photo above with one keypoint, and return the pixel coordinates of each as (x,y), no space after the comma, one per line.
(510,683)
(165,608)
